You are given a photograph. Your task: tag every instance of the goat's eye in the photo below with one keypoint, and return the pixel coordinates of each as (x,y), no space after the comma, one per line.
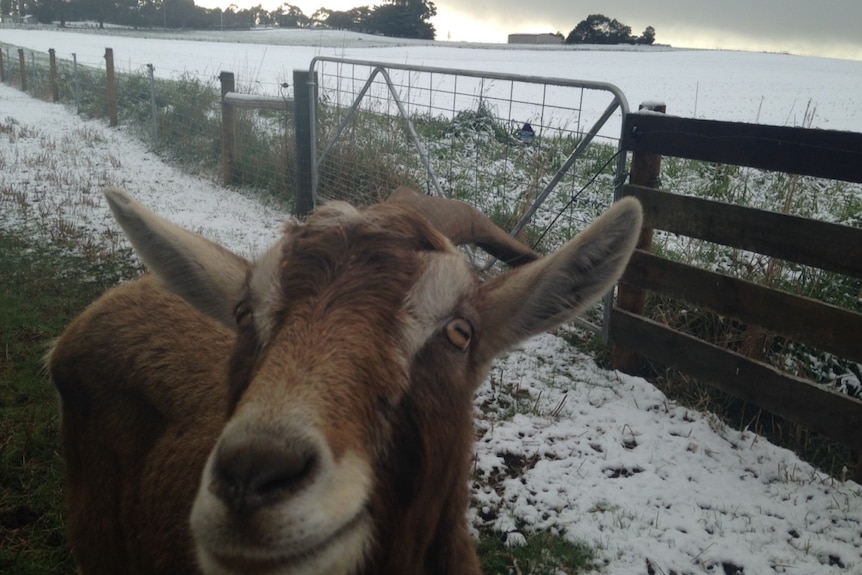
(243,314)
(459,332)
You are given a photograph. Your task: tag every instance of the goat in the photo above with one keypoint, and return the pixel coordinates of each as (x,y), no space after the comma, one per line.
(310,412)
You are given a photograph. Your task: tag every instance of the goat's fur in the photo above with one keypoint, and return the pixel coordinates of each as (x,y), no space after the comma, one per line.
(307,413)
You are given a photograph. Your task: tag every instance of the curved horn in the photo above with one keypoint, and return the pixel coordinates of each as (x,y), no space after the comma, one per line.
(464,224)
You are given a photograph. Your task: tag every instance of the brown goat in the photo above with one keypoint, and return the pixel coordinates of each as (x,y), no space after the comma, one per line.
(308,413)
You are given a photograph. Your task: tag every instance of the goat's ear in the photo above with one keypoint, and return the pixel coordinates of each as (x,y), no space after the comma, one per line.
(205,274)
(545,293)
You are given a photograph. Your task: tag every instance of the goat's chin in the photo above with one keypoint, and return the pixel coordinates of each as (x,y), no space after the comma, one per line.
(343,553)
(323,529)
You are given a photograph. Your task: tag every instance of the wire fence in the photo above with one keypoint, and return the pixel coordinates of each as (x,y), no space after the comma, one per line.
(177,114)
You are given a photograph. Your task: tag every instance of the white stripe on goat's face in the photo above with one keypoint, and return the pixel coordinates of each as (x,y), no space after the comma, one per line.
(330,327)
(439,300)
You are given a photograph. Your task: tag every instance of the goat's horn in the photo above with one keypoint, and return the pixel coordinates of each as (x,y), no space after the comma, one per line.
(464,224)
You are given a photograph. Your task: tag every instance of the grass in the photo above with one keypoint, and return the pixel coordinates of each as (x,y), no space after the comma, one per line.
(543,553)
(35,306)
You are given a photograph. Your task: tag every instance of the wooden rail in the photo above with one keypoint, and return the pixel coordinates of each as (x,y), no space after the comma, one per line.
(251,101)
(821,153)
(817,408)
(230,101)
(809,242)
(823,245)
(802,319)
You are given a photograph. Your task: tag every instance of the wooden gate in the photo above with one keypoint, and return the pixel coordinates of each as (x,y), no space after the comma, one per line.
(823,245)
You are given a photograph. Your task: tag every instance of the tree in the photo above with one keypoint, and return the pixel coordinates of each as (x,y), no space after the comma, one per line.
(339,20)
(45,10)
(401,18)
(599,29)
(648,37)
(257,16)
(360,15)
(404,19)
(289,16)
(319,16)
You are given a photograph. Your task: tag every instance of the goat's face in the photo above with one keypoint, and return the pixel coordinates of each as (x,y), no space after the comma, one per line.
(331,328)
(361,337)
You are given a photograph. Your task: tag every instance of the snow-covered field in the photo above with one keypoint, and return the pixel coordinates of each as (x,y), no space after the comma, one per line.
(602,457)
(739,86)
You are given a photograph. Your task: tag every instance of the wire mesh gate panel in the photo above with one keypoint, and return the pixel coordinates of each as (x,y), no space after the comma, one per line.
(540,156)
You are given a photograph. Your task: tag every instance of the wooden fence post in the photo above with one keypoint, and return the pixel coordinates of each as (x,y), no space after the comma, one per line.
(228,129)
(304,202)
(111,88)
(77,82)
(153,109)
(645,171)
(55,87)
(23,67)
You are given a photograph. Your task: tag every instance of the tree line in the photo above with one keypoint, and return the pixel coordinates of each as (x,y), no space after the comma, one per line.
(398,18)
(599,29)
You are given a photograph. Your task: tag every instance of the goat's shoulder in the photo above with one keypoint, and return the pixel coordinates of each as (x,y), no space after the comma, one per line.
(138,340)
(141,378)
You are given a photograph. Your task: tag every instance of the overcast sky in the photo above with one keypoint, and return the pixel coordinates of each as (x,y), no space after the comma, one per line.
(830,28)
(822,27)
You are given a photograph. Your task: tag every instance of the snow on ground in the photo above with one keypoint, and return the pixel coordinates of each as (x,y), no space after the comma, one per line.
(738,86)
(597,455)
(645,480)
(54,164)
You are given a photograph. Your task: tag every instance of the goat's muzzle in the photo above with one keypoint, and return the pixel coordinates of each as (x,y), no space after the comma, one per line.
(255,470)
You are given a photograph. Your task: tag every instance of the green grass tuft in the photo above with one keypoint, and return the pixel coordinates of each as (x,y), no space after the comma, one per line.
(36,303)
(543,553)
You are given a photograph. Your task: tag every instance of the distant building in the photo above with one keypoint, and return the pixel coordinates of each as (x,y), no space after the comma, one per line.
(16,19)
(535,39)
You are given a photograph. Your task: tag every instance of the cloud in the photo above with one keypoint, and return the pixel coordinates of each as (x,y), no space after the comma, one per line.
(825,27)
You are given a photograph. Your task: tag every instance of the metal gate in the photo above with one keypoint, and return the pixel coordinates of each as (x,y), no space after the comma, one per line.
(540,156)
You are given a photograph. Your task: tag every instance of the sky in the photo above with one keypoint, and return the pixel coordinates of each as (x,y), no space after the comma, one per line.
(829,28)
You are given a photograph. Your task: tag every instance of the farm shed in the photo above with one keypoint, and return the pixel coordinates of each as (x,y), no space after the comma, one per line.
(535,39)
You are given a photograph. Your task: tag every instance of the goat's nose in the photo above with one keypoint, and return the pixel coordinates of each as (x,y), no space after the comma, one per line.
(254,471)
